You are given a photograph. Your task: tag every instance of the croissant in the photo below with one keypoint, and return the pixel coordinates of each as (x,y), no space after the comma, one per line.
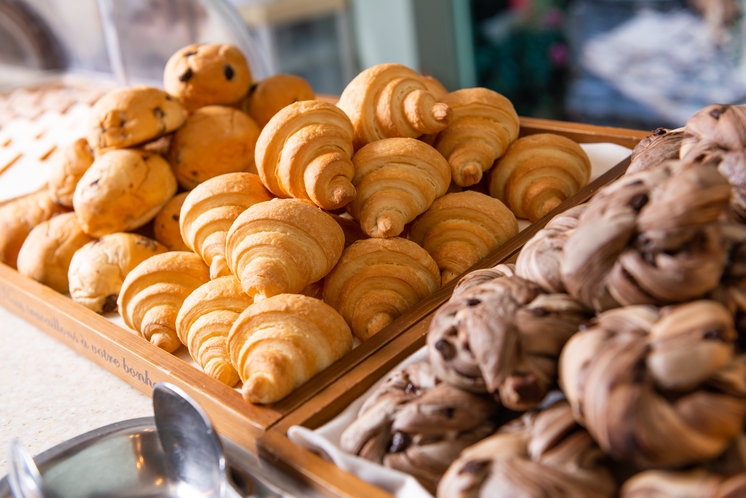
(541,454)
(538,172)
(649,238)
(656,148)
(396,179)
(76,158)
(697,483)
(484,124)
(462,228)
(658,388)
(211,208)
(153,292)
(304,152)
(279,343)
(268,96)
(281,246)
(391,100)
(504,337)
(416,424)
(18,217)
(45,255)
(204,321)
(166,224)
(97,269)
(376,280)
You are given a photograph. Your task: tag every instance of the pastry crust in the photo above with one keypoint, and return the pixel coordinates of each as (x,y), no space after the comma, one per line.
(207,74)
(45,255)
(695,483)
(166,224)
(538,172)
(132,116)
(122,190)
(98,269)
(484,124)
(154,291)
(376,280)
(461,229)
(304,152)
(75,159)
(277,344)
(267,97)
(391,100)
(281,246)
(209,211)
(215,140)
(396,179)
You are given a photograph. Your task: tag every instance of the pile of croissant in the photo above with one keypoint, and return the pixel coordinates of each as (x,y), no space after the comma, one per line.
(262,228)
(610,360)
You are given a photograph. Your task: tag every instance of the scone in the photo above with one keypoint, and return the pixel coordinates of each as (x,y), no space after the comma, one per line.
(166,224)
(75,160)
(267,97)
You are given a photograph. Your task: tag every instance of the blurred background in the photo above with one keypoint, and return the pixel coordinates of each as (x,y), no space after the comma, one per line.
(628,63)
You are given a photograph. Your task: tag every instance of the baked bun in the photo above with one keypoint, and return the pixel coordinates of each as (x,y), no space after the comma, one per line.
(695,483)
(132,116)
(662,145)
(277,344)
(304,152)
(213,141)
(75,159)
(45,255)
(267,97)
(166,224)
(122,190)
(154,291)
(97,269)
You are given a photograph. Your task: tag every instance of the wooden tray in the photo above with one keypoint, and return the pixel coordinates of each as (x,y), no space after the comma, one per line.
(142,365)
(410,336)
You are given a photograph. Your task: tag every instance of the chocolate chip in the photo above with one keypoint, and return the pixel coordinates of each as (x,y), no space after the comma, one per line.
(474,467)
(95,182)
(526,386)
(638,201)
(409,389)
(445,349)
(714,334)
(473,301)
(716,113)
(659,131)
(252,89)
(186,75)
(448,412)
(158,113)
(399,442)
(539,312)
(228,72)
(175,217)
(110,304)
(189,54)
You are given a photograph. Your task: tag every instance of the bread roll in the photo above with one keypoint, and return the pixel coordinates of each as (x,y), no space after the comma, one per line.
(166,224)
(75,159)
(270,95)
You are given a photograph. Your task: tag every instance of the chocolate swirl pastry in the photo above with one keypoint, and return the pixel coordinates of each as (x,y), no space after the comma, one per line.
(659,146)
(544,453)
(658,387)
(476,277)
(731,290)
(503,337)
(717,134)
(697,483)
(418,425)
(539,260)
(649,238)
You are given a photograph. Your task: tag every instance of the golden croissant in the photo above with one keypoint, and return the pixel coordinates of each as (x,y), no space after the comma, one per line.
(462,228)
(279,343)
(204,321)
(391,100)
(211,208)
(397,179)
(154,291)
(376,280)
(484,124)
(304,152)
(538,172)
(281,246)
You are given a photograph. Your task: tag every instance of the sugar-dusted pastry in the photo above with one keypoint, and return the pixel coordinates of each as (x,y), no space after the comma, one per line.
(268,96)
(75,159)
(209,211)
(538,172)
(476,277)
(153,292)
(204,321)
(213,141)
(659,146)
(397,179)
(279,343)
(97,269)
(45,255)
(18,217)
(504,337)
(391,100)
(695,483)
(542,454)
(462,228)
(416,424)
(207,74)
(376,280)
(304,152)
(658,388)
(132,116)
(281,246)
(122,190)
(651,237)
(484,124)
(166,224)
